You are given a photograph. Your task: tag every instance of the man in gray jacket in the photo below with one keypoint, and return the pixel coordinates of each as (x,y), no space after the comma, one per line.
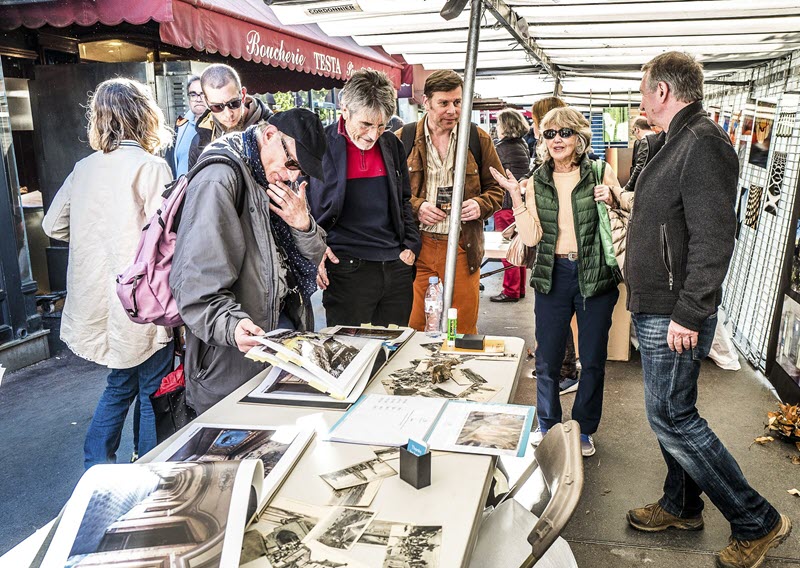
(247,250)
(680,241)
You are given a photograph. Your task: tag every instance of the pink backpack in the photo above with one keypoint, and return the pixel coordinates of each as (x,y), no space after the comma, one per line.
(143,288)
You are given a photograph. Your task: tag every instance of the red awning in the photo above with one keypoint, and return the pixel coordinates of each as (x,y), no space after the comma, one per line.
(63,13)
(244,29)
(249,30)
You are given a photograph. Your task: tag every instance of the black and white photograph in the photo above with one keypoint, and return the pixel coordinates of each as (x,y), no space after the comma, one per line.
(358,474)
(498,431)
(381,333)
(377,533)
(327,353)
(411,545)
(275,537)
(387,454)
(357,496)
(341,529)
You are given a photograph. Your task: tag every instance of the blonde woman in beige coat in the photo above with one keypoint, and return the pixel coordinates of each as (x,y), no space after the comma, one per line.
(100,210)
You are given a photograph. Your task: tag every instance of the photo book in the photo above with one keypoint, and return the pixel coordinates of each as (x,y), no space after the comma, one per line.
(328,363)
(188,507)
(277,448)
(168,515)
(447,425)
(282,387)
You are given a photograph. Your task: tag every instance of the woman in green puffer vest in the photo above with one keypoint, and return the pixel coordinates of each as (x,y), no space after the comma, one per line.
(570,275)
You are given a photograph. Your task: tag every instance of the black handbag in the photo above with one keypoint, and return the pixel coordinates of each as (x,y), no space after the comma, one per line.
(171,412)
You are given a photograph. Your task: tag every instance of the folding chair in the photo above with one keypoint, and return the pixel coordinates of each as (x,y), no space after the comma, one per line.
(514,535)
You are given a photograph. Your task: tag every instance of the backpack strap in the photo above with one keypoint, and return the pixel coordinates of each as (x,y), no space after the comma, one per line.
(409,132)
(219,159)
(475,145)
(407,135)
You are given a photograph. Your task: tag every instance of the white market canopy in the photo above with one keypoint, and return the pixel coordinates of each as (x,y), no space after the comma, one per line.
(597,45)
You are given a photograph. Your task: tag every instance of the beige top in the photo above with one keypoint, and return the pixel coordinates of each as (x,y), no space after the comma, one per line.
(101,209)
(439,173)
(527,218)
(566,242)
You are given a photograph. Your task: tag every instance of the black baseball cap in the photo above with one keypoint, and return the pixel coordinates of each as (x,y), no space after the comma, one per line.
(306,129)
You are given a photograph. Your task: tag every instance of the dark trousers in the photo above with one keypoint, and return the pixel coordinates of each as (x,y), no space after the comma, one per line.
(553,315)
(364,291)
(697,461)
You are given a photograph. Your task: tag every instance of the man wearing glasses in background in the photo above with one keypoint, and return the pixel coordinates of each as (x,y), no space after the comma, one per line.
(186,128)
(365,207)
(247,250)
(229,108)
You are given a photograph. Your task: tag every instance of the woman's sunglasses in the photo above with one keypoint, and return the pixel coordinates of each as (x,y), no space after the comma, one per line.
(219,107)
(563,132)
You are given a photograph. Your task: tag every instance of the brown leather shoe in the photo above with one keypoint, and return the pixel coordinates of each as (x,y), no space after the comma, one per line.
(752,553)
(503,298)
(653,518)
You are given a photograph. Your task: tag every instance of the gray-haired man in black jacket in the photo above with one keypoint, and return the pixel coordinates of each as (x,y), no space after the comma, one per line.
(680,242)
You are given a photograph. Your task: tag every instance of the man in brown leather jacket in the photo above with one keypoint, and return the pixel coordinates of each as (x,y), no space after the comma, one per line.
(431,164)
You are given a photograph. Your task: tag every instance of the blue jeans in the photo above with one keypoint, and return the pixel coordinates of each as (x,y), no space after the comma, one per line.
(105,431)
(554,312)
(697,462)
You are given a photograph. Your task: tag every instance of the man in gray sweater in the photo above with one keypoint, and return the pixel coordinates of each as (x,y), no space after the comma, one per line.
(680,242)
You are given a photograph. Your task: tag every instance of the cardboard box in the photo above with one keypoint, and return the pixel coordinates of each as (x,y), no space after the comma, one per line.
(619,336)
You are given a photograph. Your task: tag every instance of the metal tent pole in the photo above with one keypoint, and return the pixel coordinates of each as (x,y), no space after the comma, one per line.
(476,10)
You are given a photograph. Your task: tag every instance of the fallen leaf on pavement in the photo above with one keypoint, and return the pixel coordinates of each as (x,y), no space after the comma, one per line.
(795,460)
(764,439)
(794,492)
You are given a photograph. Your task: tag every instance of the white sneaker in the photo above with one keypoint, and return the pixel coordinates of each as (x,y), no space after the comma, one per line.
(538,434)
(587,445)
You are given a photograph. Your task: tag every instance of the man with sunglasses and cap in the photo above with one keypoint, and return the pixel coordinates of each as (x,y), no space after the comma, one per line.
(229,108)
(247,250)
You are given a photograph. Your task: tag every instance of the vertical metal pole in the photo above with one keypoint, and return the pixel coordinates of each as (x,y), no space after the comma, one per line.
(476,10)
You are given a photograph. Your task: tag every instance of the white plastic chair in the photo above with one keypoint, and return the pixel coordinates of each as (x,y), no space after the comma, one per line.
(514,534)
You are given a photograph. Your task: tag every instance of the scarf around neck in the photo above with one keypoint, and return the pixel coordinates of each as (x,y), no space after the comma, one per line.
(303,270)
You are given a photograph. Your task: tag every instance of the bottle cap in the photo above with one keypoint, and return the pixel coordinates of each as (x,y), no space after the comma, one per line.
(433,280)
(452,313)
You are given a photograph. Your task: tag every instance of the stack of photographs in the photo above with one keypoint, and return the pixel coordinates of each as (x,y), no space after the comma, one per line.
(291,534)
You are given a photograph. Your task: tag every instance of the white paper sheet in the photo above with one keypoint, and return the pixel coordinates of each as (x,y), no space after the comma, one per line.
(384,420)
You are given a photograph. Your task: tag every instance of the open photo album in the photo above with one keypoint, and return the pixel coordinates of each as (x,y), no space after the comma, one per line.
(332,364)
(188,507)
(277,448)
(447,425)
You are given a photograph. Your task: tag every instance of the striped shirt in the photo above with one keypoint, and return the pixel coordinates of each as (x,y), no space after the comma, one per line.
(439,174)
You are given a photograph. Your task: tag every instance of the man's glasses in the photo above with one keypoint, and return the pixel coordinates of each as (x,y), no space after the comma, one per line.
(219,107)
(291,163)
(563,132)
(195,95)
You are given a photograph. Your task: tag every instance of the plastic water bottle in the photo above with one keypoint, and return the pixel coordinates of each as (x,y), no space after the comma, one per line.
(434,304)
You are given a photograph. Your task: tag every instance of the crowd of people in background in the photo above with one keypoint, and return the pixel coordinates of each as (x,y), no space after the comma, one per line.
(361,210)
